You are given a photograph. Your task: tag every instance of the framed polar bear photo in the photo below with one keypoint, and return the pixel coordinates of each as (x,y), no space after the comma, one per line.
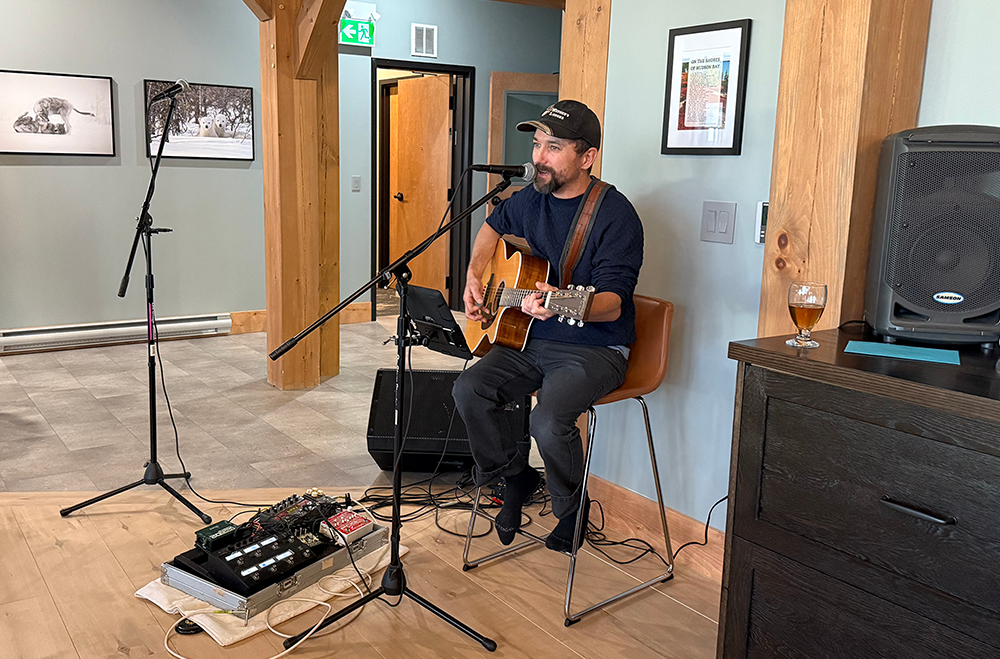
(209,122)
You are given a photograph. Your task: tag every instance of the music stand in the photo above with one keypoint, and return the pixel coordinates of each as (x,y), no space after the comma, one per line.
(434,326)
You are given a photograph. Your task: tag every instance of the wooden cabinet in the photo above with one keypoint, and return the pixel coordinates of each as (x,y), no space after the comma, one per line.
(865,506)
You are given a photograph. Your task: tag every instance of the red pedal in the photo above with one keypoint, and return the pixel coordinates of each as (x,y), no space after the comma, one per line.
(351,525)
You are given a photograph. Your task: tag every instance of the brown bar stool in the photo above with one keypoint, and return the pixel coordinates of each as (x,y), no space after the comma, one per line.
(647,364)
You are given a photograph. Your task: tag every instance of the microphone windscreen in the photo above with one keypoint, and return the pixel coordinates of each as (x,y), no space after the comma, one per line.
(529,172)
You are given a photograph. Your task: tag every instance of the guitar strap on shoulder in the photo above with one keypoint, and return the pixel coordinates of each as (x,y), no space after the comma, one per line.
(580,229)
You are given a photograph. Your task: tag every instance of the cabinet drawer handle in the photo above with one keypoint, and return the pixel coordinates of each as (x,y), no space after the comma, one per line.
(919,514)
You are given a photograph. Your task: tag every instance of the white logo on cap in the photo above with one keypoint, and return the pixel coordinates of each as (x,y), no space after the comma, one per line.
(556,112)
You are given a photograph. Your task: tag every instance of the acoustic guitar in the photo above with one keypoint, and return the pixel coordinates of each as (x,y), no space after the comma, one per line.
(509,278)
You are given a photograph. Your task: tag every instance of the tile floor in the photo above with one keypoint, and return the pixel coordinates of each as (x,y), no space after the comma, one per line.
(79,419)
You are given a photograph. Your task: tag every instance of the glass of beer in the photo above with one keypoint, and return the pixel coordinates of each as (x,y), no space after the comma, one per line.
(806,301)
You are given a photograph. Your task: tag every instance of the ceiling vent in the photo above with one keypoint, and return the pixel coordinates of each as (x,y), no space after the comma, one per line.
(423,40)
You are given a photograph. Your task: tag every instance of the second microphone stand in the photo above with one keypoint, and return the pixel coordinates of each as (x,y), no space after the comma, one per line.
(394,579)
(144,232)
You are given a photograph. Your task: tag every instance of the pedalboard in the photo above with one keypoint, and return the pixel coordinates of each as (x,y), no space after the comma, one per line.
(282,549)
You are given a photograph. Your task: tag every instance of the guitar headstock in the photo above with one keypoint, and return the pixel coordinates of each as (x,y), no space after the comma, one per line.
(572,304)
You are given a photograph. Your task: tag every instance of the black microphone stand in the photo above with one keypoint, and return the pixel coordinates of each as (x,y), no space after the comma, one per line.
(394,580)
(144,230)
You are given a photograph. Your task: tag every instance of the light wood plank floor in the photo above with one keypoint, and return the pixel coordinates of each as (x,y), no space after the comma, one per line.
(66,591)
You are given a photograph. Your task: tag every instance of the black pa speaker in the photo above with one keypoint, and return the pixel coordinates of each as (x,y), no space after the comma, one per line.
(934,272)
(434,433)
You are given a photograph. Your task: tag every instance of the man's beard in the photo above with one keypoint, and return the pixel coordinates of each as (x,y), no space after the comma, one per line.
(553,184)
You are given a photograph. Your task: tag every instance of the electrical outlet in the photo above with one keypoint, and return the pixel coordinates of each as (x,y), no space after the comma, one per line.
(718,221)
(356,183)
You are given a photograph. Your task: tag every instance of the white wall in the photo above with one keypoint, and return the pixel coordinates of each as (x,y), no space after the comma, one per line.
(715,288)
(960,84)
(67,223)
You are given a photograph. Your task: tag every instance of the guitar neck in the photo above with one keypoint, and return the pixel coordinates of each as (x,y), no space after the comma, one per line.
(513,297)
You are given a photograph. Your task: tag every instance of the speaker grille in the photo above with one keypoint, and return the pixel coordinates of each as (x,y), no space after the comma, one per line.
(944,234)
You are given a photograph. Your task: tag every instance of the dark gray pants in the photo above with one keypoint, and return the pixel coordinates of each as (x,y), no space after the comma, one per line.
(568,379)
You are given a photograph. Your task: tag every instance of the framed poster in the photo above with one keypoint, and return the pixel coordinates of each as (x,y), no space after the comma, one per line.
(210,121)
(706,89)
(56,114)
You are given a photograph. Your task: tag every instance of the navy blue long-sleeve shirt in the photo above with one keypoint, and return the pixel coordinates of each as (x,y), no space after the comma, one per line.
(610,260)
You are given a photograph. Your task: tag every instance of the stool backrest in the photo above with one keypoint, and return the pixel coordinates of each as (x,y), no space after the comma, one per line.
(647,360)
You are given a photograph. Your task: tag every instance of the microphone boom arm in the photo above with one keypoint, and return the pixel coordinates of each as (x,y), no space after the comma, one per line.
(390,269)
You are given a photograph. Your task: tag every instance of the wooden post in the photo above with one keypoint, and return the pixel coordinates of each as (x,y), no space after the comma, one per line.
(583,65)
(301,183)
(329,201)
(851,74)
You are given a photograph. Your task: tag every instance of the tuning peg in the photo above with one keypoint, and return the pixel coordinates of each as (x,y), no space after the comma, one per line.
(579,323)
(562,319)
(579,287)
(571,321)
(591,289)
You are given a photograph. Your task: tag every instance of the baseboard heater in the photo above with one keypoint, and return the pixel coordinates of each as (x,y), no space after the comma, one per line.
(64,337)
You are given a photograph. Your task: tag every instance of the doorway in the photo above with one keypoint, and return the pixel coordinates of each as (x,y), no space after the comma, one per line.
(422,142)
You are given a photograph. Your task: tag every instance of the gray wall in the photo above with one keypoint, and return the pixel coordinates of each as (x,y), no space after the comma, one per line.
(66,224)
(485,34)
(959,86)
(715,288)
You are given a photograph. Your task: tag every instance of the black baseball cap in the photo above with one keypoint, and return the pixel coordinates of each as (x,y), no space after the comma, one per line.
(569,120)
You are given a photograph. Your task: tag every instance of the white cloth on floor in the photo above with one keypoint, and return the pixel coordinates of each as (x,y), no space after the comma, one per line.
(227,629)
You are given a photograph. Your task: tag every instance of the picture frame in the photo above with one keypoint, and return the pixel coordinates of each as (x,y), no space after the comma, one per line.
(706,89)
(210,122)
(56,114)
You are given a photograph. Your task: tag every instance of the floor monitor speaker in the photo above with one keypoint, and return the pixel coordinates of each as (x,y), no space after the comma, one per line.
(934,269)
(434,433)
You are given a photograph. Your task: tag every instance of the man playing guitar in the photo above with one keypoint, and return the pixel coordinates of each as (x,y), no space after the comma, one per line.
(591,236)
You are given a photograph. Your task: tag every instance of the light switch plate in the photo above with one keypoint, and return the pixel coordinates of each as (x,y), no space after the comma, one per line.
(760,233)
(718,221)
(356,183)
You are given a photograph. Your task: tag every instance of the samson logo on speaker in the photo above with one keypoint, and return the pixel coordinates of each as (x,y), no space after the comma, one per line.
(947,297)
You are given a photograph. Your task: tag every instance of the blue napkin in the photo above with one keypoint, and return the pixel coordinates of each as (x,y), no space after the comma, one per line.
(896,351)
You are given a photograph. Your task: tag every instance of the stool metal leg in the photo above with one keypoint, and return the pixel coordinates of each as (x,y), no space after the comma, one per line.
(571,617)
(467,564)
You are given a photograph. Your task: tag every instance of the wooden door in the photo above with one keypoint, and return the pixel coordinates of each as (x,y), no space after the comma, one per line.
(516,97)
(419,174)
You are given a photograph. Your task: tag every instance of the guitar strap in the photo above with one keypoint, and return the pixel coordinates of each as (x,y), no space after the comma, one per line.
(580,229)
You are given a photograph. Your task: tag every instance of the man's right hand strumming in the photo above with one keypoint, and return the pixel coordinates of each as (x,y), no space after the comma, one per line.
(474,298)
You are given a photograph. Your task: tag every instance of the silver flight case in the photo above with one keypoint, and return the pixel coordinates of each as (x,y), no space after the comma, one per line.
(247,607)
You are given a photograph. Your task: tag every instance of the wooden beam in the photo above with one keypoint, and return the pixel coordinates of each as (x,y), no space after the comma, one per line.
(316,35)
(262,9)
(329,226)
(583,67)
(851,74)
(291,225)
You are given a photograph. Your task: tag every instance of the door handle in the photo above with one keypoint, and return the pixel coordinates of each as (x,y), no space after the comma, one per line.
(398,196)
(918,513)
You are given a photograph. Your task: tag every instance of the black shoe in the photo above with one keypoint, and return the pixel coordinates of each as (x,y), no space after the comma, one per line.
(561,537)
(517,490)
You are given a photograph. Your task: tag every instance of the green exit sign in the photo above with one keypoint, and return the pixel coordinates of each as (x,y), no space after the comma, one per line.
(357,33)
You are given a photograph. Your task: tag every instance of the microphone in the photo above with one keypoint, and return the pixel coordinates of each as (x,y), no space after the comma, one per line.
(525,171)
(171,91)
